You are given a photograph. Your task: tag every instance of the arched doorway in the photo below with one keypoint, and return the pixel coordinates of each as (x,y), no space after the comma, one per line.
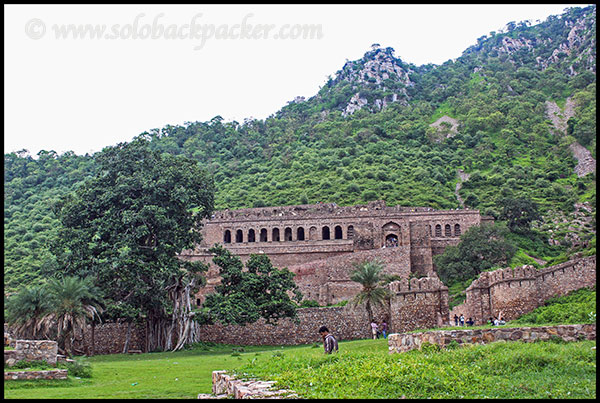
(391,241)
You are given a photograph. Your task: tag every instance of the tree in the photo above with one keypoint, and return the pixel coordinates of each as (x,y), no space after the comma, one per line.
(245,296)
(519,213)
(127,225)
(368,274)
(480,248)
(74,302)
(26,309)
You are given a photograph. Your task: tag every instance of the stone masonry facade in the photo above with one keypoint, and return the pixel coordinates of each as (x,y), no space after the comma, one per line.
(319,241)
(510,293)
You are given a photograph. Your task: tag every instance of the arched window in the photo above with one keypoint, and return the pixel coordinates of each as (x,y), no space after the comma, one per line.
(312,233)
(227,236)
(239,236)
(287,234)
(456,229)
(325,233)
(438,231)
(447,230)
(251,235)
(300,234)
(263,235)
(275,237)
(350,233)
(337,231)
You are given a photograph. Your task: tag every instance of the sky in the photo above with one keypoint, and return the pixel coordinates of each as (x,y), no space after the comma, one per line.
(80,78)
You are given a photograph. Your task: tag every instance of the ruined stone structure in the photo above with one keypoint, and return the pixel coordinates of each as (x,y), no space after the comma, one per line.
(319,242)
(512,292)
(402,342)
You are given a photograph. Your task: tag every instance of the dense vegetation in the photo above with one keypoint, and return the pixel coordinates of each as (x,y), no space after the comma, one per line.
(576,307)
(311,152)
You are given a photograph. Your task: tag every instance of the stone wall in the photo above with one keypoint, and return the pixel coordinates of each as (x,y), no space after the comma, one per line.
(345,323)
(225,385)
(29,375)
(511,293)
(293,236)
(399,343)
(32,350)
(418,304)
(110,338)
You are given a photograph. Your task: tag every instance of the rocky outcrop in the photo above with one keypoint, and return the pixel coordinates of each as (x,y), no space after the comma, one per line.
(585,162)
(377,70)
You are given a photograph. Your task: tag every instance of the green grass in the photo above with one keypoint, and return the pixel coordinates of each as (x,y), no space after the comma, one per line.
(362,369)
(182,374)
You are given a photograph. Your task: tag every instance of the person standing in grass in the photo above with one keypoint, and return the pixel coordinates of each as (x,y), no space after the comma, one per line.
(329,342)
(374,329)
(384,329)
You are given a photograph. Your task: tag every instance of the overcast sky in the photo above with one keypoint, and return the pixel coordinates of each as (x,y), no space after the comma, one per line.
(148,67)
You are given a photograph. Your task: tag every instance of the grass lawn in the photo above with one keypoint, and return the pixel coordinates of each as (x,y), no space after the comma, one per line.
(362,368)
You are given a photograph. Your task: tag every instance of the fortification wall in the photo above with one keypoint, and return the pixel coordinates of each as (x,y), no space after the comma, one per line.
(346,323)
(511,293)
(418,304)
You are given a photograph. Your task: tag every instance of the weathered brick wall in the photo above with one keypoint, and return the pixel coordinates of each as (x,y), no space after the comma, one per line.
(362,228)
(110,338)
(328,280)
(418,304)
(402,342)
(32,350)
(345,323)
(511,293)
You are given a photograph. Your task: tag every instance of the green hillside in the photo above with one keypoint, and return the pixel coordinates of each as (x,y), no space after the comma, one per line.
(367,135)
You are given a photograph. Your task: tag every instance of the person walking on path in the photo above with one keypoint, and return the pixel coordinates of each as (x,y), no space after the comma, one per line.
(374,329)
(455,320)
(384,329)
(462,319)
(330,344)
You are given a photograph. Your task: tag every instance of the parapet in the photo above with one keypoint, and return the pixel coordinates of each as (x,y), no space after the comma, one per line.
(318,209)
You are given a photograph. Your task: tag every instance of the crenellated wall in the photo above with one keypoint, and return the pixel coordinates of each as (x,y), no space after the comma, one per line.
(418,304)
(510,293)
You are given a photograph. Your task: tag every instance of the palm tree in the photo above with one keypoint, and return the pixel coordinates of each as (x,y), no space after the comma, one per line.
(75,301)
(368,275)
(26,309)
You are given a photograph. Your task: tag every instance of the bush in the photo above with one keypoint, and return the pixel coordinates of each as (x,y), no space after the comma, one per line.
(79,368)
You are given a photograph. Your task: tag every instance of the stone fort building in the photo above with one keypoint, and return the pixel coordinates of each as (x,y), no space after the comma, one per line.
(319,242)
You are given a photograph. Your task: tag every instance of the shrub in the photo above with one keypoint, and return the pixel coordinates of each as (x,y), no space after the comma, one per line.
(79,368)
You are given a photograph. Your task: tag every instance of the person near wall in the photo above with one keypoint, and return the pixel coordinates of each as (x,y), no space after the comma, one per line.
(374,329)
(462,319)
(384,329)
(455,320)
(330,344)
(470,322)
